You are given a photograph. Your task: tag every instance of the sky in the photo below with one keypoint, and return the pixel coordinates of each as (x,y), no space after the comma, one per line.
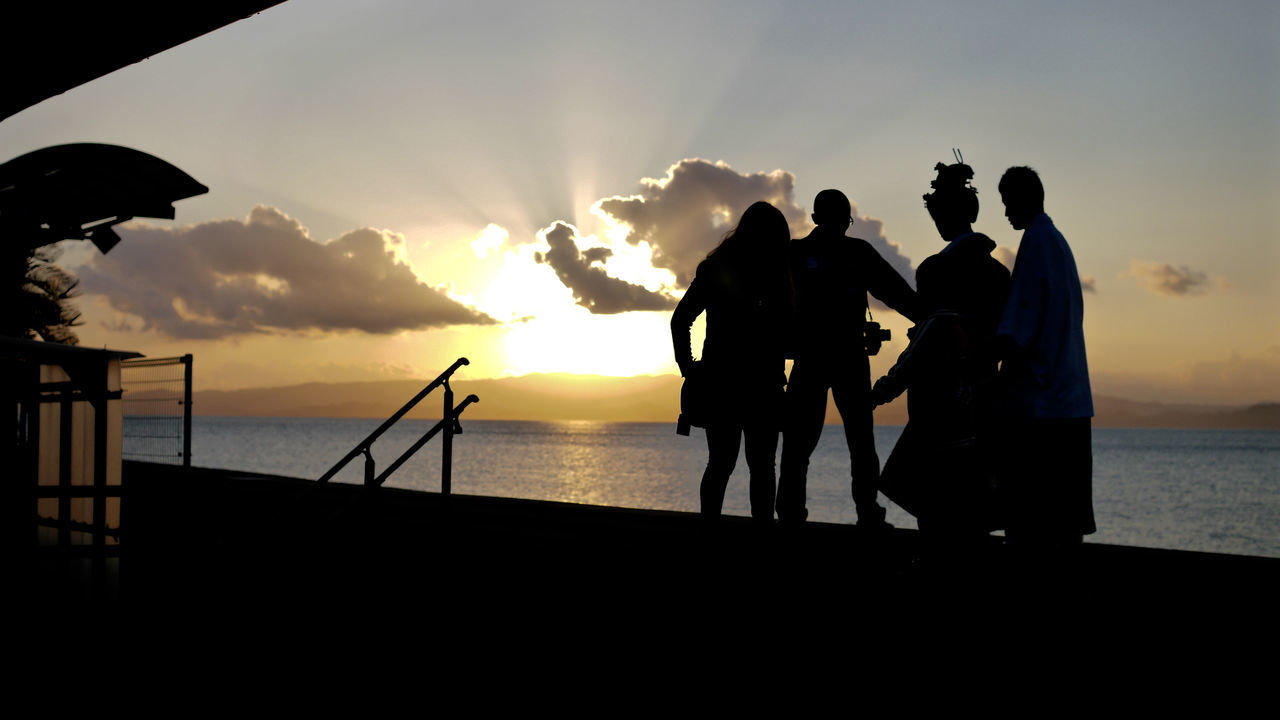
(394,185)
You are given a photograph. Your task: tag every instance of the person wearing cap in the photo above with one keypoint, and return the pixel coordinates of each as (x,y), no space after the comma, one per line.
(832,275)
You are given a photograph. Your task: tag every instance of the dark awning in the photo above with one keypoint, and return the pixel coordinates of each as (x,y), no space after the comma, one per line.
(58,45)
(80,190)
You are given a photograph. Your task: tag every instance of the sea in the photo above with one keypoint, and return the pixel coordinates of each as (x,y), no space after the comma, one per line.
(1205,490)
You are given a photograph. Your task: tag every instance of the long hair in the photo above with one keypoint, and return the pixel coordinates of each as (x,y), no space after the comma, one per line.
(760,235)
(757,249)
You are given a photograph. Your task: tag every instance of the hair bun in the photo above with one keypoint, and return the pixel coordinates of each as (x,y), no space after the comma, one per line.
(952,177)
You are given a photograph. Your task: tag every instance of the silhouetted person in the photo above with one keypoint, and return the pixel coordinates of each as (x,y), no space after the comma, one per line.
(1045,377)
(939,469)
(744,288)
(832,275)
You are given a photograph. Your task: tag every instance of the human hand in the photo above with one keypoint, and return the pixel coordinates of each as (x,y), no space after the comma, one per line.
(880,394)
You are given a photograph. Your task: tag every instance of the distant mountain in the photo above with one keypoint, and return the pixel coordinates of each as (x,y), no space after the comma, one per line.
(634,399)
(1118,412)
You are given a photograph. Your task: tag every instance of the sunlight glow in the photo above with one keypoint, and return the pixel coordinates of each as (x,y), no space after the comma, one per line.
(578,342)
(633,263)
(490,241)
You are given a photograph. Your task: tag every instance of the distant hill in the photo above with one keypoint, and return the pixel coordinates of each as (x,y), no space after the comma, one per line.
(1118,412)
(635,399)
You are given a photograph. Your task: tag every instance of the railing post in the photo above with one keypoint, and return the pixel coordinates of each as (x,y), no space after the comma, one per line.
(446,461)
(368,468)
(186,411)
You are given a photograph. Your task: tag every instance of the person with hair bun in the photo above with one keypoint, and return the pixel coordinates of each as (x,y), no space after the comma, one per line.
(939,470)
(745,289)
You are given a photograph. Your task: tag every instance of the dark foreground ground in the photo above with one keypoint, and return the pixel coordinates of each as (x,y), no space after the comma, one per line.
(221,544)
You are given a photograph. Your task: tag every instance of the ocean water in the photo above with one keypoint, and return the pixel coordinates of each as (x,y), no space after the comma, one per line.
(1209,490)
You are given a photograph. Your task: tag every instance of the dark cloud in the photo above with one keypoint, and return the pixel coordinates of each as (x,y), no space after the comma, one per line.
(592,287)
(117,325)
(687,213)
(684,215)
(1165,279)
(263,275)
(1089,284)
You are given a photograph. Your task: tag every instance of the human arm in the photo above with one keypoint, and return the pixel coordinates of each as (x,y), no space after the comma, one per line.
(687,310)
(904,371)
(888,286)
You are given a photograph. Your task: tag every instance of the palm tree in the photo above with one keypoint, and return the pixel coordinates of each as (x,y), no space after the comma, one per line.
(40,295)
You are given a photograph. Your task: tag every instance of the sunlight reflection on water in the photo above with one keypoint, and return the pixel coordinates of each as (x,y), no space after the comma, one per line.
(1187,489)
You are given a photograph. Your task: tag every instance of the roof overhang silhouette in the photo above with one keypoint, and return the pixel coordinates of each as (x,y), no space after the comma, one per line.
(59,44)
(79,191)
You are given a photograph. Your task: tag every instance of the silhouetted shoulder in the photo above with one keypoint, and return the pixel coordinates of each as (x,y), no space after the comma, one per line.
(863,250)
(712,276)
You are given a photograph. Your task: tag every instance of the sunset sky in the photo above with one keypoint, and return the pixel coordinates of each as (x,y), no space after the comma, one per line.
(396,184)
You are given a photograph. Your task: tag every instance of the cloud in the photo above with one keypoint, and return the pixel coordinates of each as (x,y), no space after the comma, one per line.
(1089,284)
(119,324)
(265,275)
(491,239)
(1004,255)
(685,214)
(1258,375)
(656,237)
(1236,379)
(1165,279)
(582,272)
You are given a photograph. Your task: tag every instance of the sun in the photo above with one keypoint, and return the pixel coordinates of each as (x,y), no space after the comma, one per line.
(577,342)
(548,332)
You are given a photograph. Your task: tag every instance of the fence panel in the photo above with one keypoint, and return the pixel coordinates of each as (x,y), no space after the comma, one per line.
(157,409)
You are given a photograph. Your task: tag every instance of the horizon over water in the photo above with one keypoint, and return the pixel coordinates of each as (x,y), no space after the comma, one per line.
(1205,490)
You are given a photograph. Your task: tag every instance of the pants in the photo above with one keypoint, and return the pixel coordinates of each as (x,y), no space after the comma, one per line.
(723,441)
(1049,480)
(806,407)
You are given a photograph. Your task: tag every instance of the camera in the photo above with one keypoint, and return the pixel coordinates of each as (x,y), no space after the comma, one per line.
(873,336)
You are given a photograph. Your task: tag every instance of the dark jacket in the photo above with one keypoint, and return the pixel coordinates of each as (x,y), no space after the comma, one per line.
(950,360)
(966,279)
(746,321)
(832,276)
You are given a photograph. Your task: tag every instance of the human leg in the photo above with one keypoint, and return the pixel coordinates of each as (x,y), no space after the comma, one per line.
(806,405)
(1050,481)
(852,395)
(723,441)
(762,449)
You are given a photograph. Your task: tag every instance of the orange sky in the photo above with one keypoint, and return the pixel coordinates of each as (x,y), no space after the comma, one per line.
(389,185)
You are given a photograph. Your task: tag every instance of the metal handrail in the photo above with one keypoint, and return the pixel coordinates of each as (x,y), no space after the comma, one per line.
(448,425)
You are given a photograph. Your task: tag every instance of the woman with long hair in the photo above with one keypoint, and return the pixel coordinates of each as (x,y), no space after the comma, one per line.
(744,287)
